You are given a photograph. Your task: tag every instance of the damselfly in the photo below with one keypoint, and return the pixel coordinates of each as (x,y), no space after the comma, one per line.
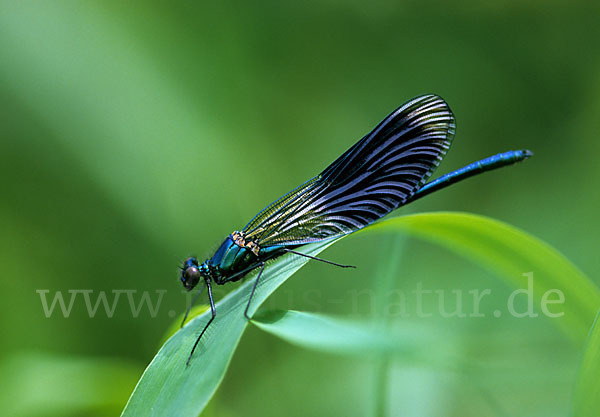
(386,169)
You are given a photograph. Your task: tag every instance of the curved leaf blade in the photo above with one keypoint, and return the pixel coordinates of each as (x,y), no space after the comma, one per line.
(341,336)
(509,252)
(168,387)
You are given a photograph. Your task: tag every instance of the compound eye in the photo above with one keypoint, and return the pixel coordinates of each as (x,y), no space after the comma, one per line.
(191,261)
(190,277)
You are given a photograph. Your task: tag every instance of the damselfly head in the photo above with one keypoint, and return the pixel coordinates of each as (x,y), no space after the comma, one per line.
(191,272)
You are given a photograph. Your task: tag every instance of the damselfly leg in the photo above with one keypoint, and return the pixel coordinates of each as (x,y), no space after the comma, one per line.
(262,268)
(319,259)
(213,314)
(187,312)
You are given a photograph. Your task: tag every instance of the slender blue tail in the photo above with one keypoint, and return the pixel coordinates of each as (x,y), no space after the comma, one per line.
(487,164)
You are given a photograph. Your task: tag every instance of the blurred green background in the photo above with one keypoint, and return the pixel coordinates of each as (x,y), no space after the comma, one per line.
(134,135)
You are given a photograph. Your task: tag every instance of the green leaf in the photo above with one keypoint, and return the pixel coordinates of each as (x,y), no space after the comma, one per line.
(587,393)
(510,253)
(168,387)
(327,334)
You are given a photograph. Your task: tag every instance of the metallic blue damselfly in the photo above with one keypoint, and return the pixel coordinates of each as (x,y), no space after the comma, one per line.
(386,169)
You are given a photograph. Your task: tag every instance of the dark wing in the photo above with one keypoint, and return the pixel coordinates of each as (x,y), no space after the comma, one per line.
(378,174)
